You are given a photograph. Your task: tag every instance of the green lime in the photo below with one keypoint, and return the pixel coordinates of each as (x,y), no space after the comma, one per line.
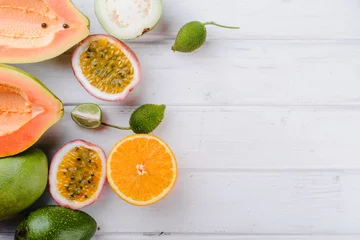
(87,115)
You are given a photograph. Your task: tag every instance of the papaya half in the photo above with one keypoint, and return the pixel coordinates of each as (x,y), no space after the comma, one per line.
(37,30)
(27,110)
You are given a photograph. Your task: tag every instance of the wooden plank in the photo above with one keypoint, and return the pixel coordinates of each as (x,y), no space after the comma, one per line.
(238,137)
(229,73)
(261,19)
(224,237)
(145,236)
(239,202)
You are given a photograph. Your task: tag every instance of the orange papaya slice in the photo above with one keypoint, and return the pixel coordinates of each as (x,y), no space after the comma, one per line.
(27,110)
(37,30)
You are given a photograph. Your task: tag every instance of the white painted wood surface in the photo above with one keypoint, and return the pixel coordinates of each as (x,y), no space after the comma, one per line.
(265,122)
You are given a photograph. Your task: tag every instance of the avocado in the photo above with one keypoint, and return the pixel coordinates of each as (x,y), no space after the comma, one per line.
(56,223)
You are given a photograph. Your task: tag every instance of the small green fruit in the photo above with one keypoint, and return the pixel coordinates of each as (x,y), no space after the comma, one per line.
(87,115)
(23,179)
(56,223)
(146,118)
(192,36)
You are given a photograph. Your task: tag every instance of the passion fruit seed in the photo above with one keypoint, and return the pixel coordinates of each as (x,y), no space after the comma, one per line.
(106,66)
(193,35)
(79,173)
(144,119)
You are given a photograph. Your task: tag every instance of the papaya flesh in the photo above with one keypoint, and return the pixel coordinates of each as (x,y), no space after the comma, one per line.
(27,110)
(37,30)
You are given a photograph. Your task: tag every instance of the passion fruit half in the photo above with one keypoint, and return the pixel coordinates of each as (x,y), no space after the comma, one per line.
(106,67)
(77,174)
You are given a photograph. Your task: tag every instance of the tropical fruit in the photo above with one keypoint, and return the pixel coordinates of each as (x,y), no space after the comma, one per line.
(56,223)
(77,174)
(193,35)
(87,115)
(27,110)
(141,169)
(147,118)
(33,31)
(144,119)
(23,179)
(106,67)
(128,19)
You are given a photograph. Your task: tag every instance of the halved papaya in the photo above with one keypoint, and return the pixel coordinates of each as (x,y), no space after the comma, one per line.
(37,30)
(27,110)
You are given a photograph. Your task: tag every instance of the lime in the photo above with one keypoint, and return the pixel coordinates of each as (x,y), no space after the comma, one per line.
(87,115)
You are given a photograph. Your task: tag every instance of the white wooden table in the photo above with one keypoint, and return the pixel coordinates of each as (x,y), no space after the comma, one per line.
(265,123)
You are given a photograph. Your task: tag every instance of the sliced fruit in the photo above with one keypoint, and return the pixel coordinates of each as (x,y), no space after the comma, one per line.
(27,110)
(23,179)
(56,223)
(87,115)
(141,169)
(77,174)
(106,67)
(33,31)
(128,19)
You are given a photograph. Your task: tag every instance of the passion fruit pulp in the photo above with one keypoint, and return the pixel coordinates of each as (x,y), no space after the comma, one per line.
(106,67)
(77,174)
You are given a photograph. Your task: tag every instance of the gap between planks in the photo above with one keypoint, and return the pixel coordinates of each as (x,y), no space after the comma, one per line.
(176,236)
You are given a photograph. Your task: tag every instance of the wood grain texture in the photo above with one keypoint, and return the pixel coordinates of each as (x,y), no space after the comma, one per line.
(238,202)
(230,72)
(253,137)
(224,237)
(261,19)
(166,236)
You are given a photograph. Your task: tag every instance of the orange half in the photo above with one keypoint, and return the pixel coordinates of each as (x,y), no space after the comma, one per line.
(141,169)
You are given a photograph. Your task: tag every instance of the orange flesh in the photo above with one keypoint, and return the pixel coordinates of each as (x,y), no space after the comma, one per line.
(79,174)
(106,67)
(25,38)
(142,169)
(15,109)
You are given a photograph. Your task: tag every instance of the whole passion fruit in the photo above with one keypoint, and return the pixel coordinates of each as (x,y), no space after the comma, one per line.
(128,19)
(106,67)
(77,174)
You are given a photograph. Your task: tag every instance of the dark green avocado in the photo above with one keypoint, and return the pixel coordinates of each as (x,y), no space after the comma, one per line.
(56,223)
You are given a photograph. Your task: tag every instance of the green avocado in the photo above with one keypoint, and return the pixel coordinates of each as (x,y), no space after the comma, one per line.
(56,223)
(23,179)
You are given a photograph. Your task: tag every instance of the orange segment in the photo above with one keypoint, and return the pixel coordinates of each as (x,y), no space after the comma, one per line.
(141,169)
